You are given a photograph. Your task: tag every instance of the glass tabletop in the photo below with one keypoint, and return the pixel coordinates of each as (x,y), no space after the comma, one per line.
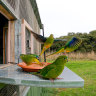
(16,76)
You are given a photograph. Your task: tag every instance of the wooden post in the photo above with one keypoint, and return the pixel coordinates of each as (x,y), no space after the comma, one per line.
(11,41)
(23,46)
(43,35)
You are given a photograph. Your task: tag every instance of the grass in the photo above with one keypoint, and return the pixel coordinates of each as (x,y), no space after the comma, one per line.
(74,56)
(86,70)
(85,66)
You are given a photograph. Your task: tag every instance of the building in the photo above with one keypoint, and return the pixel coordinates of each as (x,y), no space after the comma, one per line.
(17,18)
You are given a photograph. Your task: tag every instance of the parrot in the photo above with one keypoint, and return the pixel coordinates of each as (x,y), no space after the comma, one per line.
(53,70)
(29,59)
(48,43)
(43,39)
(70,46)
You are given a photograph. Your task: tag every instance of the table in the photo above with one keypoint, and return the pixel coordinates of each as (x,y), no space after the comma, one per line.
(15,76)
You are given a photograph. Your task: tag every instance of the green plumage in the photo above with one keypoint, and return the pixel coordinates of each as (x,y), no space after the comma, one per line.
(73,44)
(70,46)
(29,58)
(53,70)
(34,55)
(47,44)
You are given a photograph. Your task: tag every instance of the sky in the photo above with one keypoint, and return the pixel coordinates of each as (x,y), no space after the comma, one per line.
(63,16)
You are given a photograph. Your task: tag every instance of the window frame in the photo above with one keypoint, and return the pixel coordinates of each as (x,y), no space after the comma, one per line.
(25,25)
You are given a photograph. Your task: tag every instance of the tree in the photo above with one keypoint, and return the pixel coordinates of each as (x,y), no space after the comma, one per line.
(92,32)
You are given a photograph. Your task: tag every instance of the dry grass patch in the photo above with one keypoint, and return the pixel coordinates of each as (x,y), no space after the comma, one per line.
(73,56)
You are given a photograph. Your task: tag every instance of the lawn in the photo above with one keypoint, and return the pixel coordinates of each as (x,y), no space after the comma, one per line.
(86,70)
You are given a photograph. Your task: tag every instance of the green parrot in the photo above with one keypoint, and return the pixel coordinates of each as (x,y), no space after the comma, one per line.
(70,46)
(29,59)
(53,70)
(47,44)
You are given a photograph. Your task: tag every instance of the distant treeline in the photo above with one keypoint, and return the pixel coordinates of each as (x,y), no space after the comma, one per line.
(88,41)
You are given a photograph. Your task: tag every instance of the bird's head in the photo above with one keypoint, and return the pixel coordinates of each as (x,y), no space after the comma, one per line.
(62,60)
(51,35)
(37,57)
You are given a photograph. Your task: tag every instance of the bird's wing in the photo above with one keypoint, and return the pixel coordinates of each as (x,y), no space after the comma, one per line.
(58,51)
(58,40)
(73,44)
(39,38)
(47,44)
(48,68)
(45,71)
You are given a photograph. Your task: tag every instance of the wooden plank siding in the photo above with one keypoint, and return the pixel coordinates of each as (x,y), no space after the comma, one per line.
(23,9)
(27,13)
(12,40)
(26,9)
(13,3)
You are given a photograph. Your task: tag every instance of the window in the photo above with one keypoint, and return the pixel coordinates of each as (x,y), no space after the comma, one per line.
(27,38)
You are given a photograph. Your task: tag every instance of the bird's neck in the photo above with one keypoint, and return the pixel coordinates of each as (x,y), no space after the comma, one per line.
(59,63)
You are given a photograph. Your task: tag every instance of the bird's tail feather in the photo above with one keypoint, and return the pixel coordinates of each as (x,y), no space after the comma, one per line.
(59,51)
(42,51)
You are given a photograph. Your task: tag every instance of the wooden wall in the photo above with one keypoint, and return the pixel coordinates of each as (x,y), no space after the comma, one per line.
(24,10)
(27,13)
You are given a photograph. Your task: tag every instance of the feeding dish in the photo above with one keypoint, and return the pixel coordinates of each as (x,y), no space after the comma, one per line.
(34,67)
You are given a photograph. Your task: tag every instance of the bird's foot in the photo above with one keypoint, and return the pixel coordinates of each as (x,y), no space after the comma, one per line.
(41,64)
(52,80)
(59,78)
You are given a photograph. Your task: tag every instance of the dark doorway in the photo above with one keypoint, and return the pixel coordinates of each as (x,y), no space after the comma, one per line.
(3,23)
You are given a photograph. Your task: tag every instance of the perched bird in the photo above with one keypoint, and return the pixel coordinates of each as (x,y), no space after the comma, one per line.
(70,46)
(53,70)
(43,39)
(48,43)
(29,59)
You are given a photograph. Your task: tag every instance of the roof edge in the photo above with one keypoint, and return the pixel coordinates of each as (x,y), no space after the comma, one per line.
(8,8)
(36,12)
